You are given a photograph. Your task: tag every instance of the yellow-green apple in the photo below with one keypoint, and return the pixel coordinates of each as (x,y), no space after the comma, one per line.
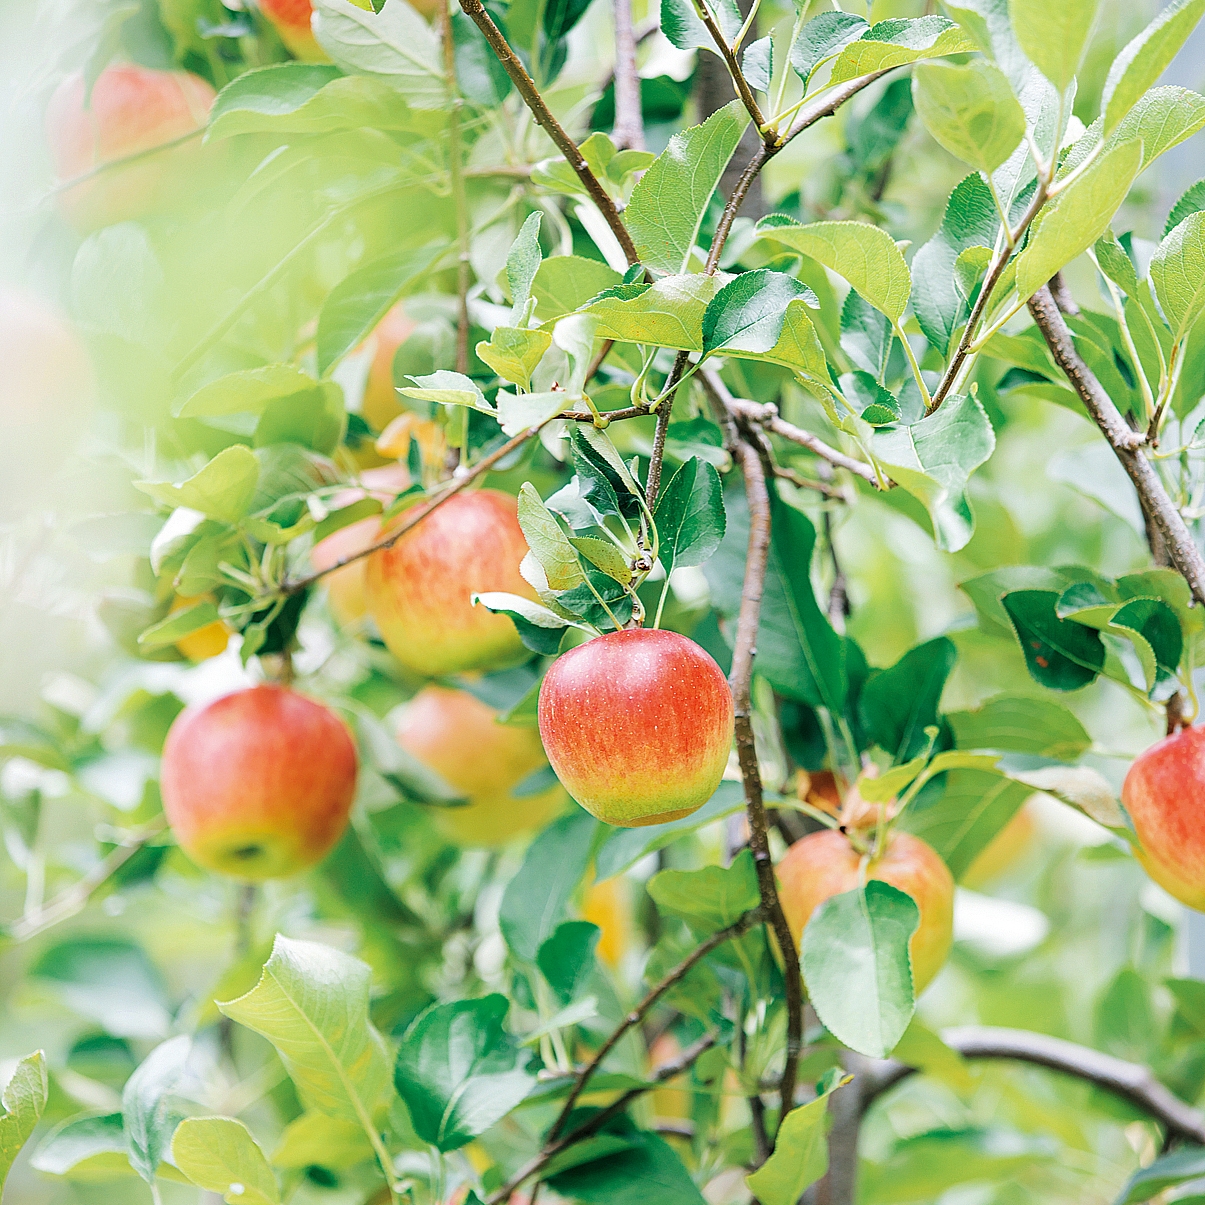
(132,110)
(1003,851)
(459,737)
(259,783)
(291,20)
(380,403)
(637,725)
(609,906)
(420,590)
(1164,794)
(825,864)
(205,642)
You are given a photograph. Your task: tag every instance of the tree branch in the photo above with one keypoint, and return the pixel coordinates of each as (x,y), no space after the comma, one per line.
(652,482)
(661,1075)
(627,132)
(739,82)
(642,1009)
(740,681)
(1126,444)
(527,89)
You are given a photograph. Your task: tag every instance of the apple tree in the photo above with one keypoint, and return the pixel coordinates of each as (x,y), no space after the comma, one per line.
(585,586)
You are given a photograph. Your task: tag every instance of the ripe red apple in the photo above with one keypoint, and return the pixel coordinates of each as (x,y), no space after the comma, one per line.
(459,737)
(825,864)
(1164,794)
(637,725)
(259,783)
(131,110)
(420,590)
(291,20)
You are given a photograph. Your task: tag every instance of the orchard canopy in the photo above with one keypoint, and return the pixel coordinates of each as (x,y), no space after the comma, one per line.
(601,602)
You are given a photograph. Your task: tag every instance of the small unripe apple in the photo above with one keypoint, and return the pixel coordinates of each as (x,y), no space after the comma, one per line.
(291,20)
(459,737)
(420,590)
(131,110)
(1164,794)
(380,404)
(637,725)
(825,864)
(205,642)
(259,783)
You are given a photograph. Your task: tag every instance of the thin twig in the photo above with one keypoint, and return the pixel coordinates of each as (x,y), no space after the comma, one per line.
(661,1075)
(740,681)
(652,483)
(527,89)
(1126,443)
(73,899)
(628,129)
(739,82)
(642,1009)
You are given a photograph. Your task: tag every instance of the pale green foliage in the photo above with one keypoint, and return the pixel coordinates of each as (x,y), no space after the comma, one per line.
(1054,36)
(1178,274)
(24,1098)
(970,110)
(219,1154)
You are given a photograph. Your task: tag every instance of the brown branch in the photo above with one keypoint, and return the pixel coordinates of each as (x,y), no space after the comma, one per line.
(740,680)
(642,1009)
(71,900)
(739,82)
(652,483)
(661,1075)
(1126,443)
(628,129)
(527,89)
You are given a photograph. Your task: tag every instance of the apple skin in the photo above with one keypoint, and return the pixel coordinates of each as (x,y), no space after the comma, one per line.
(1003,851)
(637,725)
(380,405)
(1164,794)
(419,591)
(259,783)
(291,20)
(824,864)
(458,737)
(206,642)
(131,109)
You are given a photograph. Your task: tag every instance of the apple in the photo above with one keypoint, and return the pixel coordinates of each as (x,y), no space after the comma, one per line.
(380,403)
(259,783)
(825,864)
(637,725)
(291,20)
(420,590)
(1164,794)
(131,110)
(459,737)
(608,905)
(1003,851)
(205,642)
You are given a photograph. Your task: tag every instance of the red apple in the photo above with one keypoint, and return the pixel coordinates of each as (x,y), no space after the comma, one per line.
(1164,794)
(637,725)
(825,864)
(420,590)
(459,737)
(131,110)
(291,20)
(259,783)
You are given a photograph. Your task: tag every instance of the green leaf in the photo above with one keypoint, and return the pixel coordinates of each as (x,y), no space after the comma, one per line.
(1115,263)
(1178,274)
(747,314)
(311,1003)
(604,555)
(331,1142)
(219,1155)
(1060,653)
(647,1171)
(457,1071)
(822,37)
(359,301)
(88,1148)
(535,899)
(899,703)
(447,388)
(858,968)
(564,283)
(669,313)
(1021,724)
(667,205)
(548,542)
(712,898)
(540,628)
(934,459)
(1178,1167)
(250,391)
(395,45)
(865,255)
(1145,57)
(970,110)
(178,625)
(758,63)
(1054,36)
(24,1100)
(145,1106)
(800,1155)
(896,42)
(683,27)
(513,353)
(1191,200)
(798,346)
(566,959)
(1159,627)
(223,489)
(522,263)
(690,515)
(1078,217)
